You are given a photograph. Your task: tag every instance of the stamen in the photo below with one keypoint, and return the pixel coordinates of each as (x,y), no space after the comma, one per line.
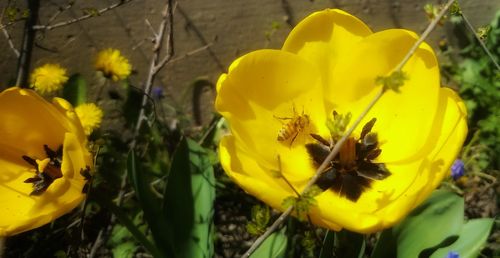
(348,153)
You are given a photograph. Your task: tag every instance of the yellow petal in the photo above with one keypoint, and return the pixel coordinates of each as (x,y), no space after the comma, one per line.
(19,211)
(28,120)
(260,90)
(28,123)
(324,36)
(391,199)
(404,120)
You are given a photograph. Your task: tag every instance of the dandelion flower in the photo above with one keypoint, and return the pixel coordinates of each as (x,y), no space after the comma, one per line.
(90,116)
(48,78)
(112,64)
(284,107)
(43,156)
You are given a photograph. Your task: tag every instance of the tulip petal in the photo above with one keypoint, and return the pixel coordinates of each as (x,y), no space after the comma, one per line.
(324,36)
(405,119)
(261,89)
(20,211)
(28,120)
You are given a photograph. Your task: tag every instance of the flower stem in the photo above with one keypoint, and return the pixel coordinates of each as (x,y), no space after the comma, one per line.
(2,246)
(486,50)
(346,135)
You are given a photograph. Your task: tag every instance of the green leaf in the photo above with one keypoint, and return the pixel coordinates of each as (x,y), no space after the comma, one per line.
(188,201)
(349,244)
(124,250)
(150,203)
(75,90)
(328,246)
(129,224)
(273,247)
(434,223)
(472,238)
(386,245)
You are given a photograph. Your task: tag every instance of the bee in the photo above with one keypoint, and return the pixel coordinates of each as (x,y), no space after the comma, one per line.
(294,125)
(52,171)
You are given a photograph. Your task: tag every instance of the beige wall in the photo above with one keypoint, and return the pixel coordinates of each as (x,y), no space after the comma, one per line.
(233,27)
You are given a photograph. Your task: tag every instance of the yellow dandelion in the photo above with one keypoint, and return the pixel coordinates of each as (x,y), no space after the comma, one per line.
(90,116)
(112,64)
(48,78)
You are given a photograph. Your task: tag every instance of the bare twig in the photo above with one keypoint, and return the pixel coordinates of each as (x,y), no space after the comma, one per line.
(97,243)
(60,10)
(11,45)
(471,28)
(81,18)
(155,64)
(153,70)
(24,59)
(8,37)
(339,144)
(2,246)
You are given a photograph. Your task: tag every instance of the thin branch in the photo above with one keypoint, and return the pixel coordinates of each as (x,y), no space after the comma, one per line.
(81,18)
(8,37)
(59,11)
(339,144)
(153,67)
(2,246)
(471,28)
(188,54)
(167,21)
(28,39)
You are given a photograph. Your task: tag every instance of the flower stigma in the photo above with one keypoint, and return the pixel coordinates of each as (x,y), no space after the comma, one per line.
(353,170)
(47,170)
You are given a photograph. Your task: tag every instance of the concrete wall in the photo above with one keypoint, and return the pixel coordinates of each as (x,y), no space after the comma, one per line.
(231,27)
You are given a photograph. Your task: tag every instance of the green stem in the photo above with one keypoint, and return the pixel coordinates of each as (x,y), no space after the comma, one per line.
(129,224)
(486,50)
(2,246)
(484,175)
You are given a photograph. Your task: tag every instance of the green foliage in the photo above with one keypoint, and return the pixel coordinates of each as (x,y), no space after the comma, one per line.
(303,204)
(75,90)
(392,82)
(349,244)
(419,236)
(472,237)
(188,202)
(273,247)
(260,218)
(477,78)
(455,9)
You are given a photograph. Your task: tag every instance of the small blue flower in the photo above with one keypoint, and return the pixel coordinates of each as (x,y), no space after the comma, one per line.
(452,254)
(157,92)
(457,169)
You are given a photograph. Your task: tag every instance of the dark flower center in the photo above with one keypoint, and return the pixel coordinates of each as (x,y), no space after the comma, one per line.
(52,171)
(352,171)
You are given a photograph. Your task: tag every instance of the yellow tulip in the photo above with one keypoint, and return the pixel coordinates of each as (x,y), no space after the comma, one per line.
(36,135)
(328,63)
